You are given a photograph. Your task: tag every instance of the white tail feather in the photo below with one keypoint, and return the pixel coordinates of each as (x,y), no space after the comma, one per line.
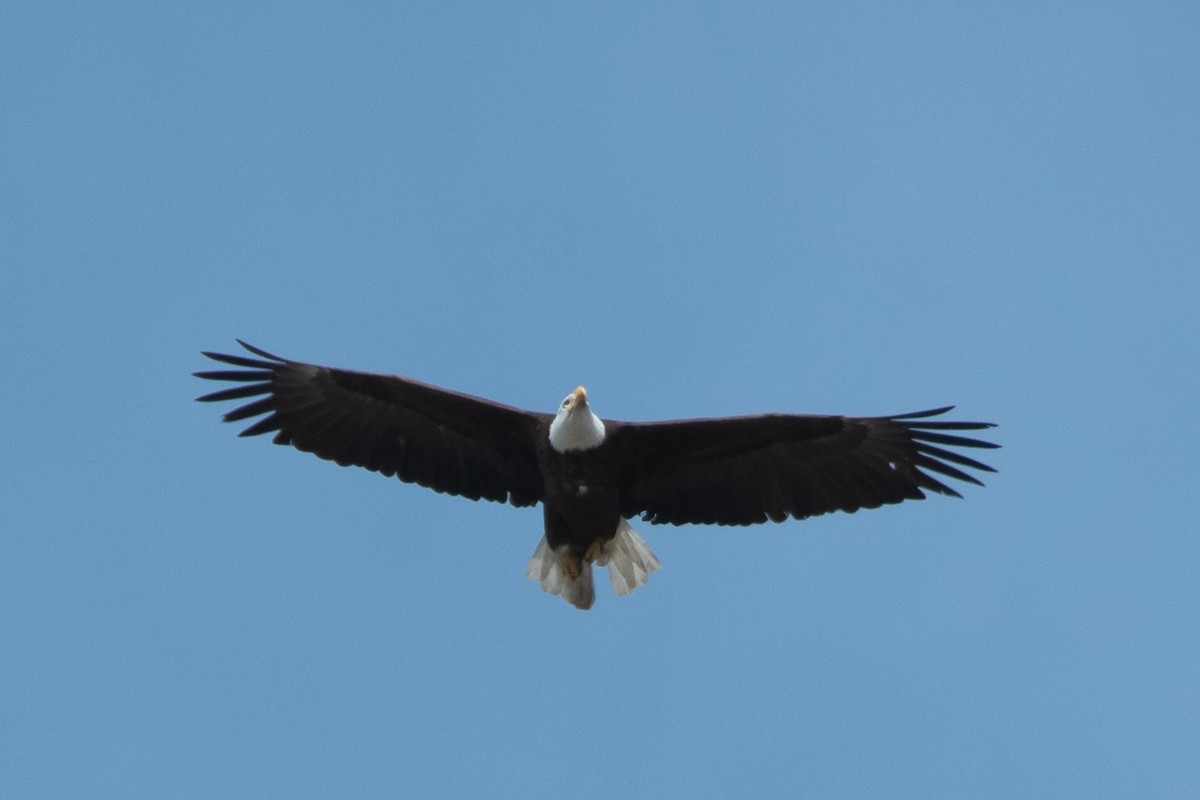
(628,558)
(548,568)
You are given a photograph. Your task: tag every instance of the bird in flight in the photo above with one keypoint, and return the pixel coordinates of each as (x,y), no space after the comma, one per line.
(593,475)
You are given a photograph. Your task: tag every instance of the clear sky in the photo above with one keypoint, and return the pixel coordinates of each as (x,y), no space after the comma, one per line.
(695,209)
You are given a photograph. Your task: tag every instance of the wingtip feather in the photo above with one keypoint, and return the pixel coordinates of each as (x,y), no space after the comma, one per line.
(260,352)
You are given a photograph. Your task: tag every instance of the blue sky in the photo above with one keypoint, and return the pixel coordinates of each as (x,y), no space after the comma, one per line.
(695,210)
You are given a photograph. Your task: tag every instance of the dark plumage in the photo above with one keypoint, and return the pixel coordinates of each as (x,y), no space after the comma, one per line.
(593,474)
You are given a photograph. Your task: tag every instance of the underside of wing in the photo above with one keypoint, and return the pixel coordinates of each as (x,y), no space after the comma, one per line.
(443,440)
(746,470)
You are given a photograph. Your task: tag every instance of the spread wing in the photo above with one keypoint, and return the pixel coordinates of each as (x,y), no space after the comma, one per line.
(745,470)
(443,440)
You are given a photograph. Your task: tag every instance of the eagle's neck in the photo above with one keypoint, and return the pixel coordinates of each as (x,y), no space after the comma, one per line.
(576,429)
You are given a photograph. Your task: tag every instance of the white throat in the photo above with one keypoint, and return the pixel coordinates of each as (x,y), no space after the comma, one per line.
(576,428)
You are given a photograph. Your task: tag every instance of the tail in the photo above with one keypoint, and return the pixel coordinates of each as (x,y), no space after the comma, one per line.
(562,572)
(628,558)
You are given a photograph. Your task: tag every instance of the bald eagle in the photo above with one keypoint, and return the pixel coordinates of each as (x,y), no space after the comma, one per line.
(593,475)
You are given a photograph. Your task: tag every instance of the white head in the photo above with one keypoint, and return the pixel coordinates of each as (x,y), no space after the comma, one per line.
(575,427)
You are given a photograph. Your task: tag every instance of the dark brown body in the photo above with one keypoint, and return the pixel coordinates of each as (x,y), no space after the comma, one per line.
(581,499)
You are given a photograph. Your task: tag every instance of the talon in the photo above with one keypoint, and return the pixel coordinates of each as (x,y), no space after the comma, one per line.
(571,564)
(594,552)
